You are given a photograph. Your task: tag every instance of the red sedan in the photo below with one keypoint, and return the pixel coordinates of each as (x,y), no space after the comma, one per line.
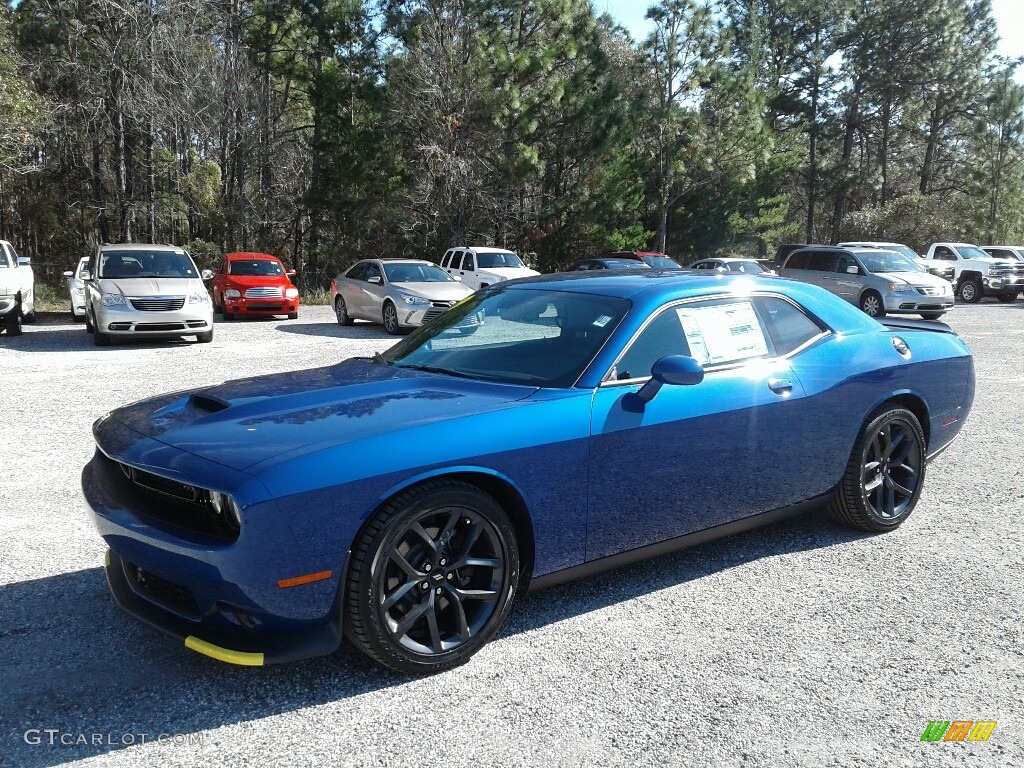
(254,284)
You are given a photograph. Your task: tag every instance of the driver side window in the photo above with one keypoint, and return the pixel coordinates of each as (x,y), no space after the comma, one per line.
(664,335)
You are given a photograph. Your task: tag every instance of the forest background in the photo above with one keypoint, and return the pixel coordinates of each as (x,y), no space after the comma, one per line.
(325,131)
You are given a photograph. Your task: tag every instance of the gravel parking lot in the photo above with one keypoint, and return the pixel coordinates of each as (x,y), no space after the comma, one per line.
(799,644)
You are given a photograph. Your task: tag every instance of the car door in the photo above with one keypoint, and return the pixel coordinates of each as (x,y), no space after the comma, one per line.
(848,286)
(350,288)
(373,290)
(455,263)
(467,271)
(699,456)
(821,270)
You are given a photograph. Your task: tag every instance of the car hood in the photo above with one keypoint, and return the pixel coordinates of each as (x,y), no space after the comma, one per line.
(151,286)
(509,273)
(251,281)
(244,422)
(914,278)
(453,291)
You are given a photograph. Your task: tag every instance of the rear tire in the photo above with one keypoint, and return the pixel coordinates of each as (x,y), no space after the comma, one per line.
(431,577)
(341,312)
(885,473)
(30,317)
(12,322)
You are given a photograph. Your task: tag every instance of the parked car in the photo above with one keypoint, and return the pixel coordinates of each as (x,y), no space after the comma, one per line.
(404,500)
(145,291)
(479,267)
(877,281)
(17,290)
(746,266)
(398,293)
(586,265)
(1005,252)
(254,284)
(938,268)
(653,259)
(787,248)
(978,273)
(76,288)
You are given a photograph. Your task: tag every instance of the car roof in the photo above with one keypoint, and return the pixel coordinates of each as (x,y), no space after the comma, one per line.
(388,260)
(141,247)
(843,248)
(250,255)
(726,259)
(867,244)
(481,249)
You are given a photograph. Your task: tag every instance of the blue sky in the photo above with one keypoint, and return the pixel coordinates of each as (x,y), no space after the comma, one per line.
(1009,17)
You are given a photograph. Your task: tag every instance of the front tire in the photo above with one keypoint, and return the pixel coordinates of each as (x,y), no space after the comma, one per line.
(871,304)
(970,291)
(204,338)
(390,314)
(1006,298)
(885,473)
(932,315)
(431,578)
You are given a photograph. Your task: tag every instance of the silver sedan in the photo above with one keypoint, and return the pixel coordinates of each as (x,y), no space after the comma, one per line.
(76,288)
(399,293)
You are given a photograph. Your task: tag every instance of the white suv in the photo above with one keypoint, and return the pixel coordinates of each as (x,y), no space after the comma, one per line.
(146,291)
(479,267)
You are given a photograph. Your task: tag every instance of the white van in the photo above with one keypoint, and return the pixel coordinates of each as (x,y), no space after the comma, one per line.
(479,267)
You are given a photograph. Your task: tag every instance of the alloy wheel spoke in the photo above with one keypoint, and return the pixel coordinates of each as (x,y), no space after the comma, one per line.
(460,612)
(482,562)
(453,518)
(471,539)
(484,595)
(420,531)
(398,594)
(435,633)
(410,619)
(399,559)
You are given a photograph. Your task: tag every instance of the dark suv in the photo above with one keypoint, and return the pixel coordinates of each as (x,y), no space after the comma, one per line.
(655,259)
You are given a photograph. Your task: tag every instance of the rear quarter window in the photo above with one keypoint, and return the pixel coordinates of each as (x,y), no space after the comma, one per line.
(797,260)
(787,326)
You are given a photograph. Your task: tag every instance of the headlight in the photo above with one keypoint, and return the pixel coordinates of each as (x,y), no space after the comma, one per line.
(291,293)
(232,293)
(110,299)
(900,288)
(226,509)
(414,300)
(199,298)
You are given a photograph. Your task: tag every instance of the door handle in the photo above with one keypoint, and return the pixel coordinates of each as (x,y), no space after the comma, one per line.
(780,386)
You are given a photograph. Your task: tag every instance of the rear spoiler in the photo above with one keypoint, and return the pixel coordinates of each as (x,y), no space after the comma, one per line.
(910,324)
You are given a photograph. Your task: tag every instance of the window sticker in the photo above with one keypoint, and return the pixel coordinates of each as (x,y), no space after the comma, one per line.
(723,332)
(602,321)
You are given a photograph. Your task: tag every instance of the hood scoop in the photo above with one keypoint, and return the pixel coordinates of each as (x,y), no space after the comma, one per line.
(208,403)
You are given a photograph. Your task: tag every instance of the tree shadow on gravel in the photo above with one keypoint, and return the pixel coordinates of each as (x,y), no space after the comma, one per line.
(56,332)
(360,330)
(70,660)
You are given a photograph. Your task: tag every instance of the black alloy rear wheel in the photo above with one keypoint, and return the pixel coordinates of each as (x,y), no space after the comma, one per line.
(431,578)
(885,473)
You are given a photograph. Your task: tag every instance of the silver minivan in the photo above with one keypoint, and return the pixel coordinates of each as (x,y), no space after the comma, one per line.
(875,280)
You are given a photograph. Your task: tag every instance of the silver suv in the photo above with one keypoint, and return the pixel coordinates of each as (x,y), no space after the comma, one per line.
(136,290)
(875,280)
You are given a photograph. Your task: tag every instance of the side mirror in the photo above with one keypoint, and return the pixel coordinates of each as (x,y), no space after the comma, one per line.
(853,270)
(206,274)
(375,280)
(458,278)
(69,273)
(290,272)
(679,370)
(24,261)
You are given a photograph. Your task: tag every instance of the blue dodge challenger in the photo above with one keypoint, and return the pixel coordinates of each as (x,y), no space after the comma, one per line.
(575,424)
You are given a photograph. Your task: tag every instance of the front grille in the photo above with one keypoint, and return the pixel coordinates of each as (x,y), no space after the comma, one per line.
(267,292)
(442,304)
(159,484)
(928,290)
(264,308)
(164,593)
(431,313)
(158,303)
(162,326)
(178,504)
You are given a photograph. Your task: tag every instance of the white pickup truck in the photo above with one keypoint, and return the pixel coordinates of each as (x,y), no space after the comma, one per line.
(17,290)
(978,273)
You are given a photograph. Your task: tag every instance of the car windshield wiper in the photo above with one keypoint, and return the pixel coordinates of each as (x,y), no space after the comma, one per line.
(435,369)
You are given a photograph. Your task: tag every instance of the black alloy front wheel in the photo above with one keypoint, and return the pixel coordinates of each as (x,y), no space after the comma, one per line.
(431,578)
(885,474)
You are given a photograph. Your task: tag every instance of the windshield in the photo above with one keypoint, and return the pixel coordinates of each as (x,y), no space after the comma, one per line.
(661,262)
(254,267)
(749,267)
(491,260)
(141,263)
(416,273)
(889,261)
(543,338)
(972,252)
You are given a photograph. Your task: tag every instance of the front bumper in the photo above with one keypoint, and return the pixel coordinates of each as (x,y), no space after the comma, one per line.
(220,597)
(419,315)
(125,320)
(997,285)
(265,307)
(915,302)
